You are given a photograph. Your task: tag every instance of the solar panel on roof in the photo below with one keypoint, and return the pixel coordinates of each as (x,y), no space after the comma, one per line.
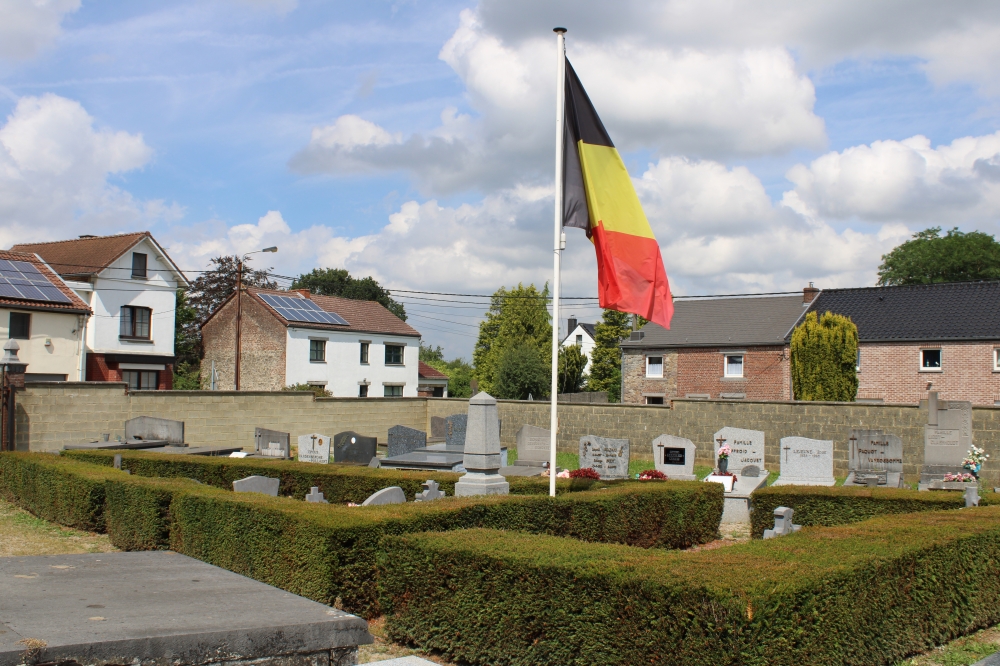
(20,279)
(301,309)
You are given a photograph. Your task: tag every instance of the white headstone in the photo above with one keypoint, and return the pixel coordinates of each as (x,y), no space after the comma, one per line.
(482,450)
(806,462)
(257,484)
(948,442)
(390,495)
(315,496)
(314,448)
(606,456)
(431,491)
(746,446)
(674,456)
(533,444)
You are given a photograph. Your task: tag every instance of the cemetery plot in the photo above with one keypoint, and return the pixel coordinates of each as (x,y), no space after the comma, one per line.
(314,448)
(350,447)
(806,462)
(272,443)
(674,456)
(875,454)
(608,457)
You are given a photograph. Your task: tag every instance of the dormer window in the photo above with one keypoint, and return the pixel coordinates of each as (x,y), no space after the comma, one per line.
(138,265)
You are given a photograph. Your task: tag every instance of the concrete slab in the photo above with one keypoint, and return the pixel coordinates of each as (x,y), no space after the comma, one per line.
(160,608)
(211,450)
(127,444)
(992,660)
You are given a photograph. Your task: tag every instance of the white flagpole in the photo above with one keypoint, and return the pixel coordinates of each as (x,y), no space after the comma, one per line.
(558,248)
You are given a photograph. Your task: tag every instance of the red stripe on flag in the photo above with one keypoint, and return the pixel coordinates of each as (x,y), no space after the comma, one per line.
(630,275)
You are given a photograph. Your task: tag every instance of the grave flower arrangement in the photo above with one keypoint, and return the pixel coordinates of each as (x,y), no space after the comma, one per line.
(565,474)
(723,454)
(651,475)
(974,460)
(964,477)
(585,473)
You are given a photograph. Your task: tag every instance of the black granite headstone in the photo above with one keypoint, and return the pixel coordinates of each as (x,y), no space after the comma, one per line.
(403,440)
(674,456)
(350,447)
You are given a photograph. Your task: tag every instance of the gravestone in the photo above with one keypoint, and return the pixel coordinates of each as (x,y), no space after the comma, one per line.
(782,523)
(118,461)
(350,447)
(272,443)
(455,427)
(806,462)
(403,440)
(746,448)
(149,427)
(751,471)
(439,428)
(674,456)
(873,454)
(431,491)
(971,496)
(390,495)
(533,446)
(481,434)
(314,448)
(608,457)
(257,484)
(315,496)
(947,439)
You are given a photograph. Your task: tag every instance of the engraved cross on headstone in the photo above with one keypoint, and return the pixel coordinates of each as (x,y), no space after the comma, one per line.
(787,449)
(313,445)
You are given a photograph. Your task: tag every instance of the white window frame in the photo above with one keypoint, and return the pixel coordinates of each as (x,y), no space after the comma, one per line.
(725,365)
(920,359)
(857,362)
(996,359)
(648,365)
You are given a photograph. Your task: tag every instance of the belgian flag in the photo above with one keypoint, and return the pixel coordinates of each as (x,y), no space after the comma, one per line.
(598,196)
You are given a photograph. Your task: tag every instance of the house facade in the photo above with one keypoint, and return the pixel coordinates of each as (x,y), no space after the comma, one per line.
(433,383)
(583,336)
(716,348)
(130,284)
(370,353)
(44,316)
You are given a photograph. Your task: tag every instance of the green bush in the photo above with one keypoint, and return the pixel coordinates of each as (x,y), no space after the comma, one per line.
(328,553)
(339,483)
(868,593)
(138,511)
(824,358)
(63,491)
(818,505)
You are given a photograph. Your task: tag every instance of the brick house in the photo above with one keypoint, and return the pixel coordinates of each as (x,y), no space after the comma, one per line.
(942,337)
(716,348)
(351,348)
(130,284)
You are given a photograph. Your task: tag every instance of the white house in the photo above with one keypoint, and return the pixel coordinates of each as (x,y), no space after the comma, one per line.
(581,335)
(350,348)
(44,316)
(130,284)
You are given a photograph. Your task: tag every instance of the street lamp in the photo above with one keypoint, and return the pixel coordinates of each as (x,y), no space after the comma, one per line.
(239,306)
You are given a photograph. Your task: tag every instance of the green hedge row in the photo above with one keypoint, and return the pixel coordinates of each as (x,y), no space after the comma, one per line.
(328,552)
(822,506)
(339,483)
(868,593)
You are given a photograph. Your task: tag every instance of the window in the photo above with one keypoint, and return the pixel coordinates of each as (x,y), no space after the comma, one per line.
(734,365)
(141,380)
(20,326)
(579,341)
(393,355)
(135,323)
(996,360)
(394,391)
(363,391)
(930,360)
(654,366)
(364,353)
(317,351)
(138,265)
(654,400)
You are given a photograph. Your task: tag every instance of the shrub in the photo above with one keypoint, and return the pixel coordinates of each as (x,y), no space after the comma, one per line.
(584,473)
(824,358)
(137,510)
(817,505)
(62,491)
(870,593)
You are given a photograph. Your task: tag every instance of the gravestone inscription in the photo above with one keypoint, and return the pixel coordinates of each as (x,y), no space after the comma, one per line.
(350,447)
(947,440)
(874,454)
(674,456)
(746,448)
(403,440)
(314,448)
(606,456)
(533,445)
(806,462)
(272,443)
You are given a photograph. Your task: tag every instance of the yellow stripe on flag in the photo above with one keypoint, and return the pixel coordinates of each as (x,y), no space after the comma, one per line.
(610,194)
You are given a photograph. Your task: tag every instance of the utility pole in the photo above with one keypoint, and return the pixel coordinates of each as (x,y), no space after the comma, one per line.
(239,309)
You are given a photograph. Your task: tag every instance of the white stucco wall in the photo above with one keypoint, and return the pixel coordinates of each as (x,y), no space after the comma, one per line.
(586,347)
(115,288)
(62,357)
(343,368)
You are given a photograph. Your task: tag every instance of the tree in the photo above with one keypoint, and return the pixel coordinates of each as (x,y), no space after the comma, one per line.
(522,373)
(187,345)
(572,361)
(338,282)
(929,257)
(214,286)
(824,358)
(458,370)
(516,316)
(606,357)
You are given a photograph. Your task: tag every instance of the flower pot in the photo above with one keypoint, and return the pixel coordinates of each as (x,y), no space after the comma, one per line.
(723,465)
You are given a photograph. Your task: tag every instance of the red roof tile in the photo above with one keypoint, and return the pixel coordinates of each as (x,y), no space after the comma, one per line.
(76,303)
(427,372)
(83,256)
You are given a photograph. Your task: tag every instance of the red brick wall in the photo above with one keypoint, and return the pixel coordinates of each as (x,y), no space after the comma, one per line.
(99,370)
(765,373)
(890,372)
(262,360)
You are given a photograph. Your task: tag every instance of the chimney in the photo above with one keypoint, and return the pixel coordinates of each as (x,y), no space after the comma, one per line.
(809,293)
(305,292)
(570,324)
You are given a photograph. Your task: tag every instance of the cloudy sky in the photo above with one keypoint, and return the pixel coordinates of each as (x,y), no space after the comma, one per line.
(772,143)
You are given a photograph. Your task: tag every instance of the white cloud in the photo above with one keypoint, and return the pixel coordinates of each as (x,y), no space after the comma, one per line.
(55,169)
(28,26)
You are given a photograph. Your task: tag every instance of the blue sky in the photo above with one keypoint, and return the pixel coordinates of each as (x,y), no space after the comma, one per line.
(772,144)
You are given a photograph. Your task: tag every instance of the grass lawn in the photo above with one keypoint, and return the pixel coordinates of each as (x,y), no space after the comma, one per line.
(23,534)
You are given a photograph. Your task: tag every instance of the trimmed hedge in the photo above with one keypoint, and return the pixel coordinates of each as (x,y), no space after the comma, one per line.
(339,483)
(823,506)
(138,510)
(869,593)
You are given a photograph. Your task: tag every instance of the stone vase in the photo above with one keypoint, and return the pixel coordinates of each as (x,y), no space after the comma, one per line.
(723,465)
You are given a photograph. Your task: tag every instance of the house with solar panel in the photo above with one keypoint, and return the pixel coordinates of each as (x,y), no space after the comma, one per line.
(350,348)
(129,283)
(44,316)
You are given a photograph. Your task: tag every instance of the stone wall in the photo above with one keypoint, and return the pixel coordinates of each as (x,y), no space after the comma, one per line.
(51,415)
(262,354)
